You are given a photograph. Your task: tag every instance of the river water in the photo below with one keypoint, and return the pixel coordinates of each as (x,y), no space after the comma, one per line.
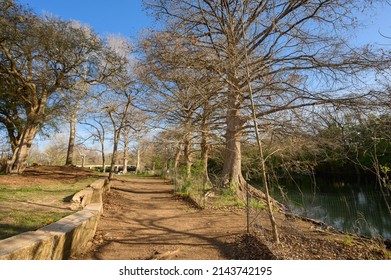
(347,207)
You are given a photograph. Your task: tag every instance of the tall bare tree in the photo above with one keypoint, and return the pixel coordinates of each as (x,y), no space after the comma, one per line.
(119,93)
(98,127)
(297,54)
(180,95)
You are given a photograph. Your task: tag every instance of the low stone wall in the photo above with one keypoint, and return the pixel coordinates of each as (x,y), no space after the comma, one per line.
(62,239)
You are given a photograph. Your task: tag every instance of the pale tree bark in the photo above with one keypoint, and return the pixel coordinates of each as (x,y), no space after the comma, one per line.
(71,142)
(187,154)
(125,134)
(113,161)
(177,157)
(125,162)
(17,164)
(177,96)
(103,156)
(138,160)
(232,176)
(205,148)
(139,168)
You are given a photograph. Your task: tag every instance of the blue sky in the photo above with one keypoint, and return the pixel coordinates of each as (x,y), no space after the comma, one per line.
(115,16)
(128,17)
(377,22)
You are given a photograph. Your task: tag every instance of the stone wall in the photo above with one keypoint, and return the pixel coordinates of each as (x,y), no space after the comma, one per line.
(62,239)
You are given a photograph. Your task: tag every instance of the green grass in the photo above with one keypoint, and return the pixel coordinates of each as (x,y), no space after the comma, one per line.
(225,198)
(348,240)
(37,192)
(256,204)
(229,201)
(28,207)
(21,221)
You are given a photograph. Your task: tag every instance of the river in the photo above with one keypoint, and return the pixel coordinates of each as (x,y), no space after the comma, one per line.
(347,207)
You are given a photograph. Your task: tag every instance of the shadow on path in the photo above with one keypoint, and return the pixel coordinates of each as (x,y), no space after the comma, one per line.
(143,220)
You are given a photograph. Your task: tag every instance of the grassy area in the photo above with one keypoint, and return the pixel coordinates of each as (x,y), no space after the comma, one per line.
(223,198)
(36,192)
(19,221)
(30,203)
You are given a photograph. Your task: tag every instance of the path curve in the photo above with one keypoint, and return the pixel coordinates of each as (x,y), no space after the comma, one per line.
(143,220)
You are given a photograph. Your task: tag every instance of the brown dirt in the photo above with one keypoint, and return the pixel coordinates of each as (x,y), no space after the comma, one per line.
(143,220)
(63,174)
(40,175)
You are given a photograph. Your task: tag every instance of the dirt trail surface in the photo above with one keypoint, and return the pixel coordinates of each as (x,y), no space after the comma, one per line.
(143,220)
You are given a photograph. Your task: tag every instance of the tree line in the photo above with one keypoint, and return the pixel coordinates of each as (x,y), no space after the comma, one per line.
(217,77)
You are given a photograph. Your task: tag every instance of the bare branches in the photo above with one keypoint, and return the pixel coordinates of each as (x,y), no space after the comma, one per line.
(295,57)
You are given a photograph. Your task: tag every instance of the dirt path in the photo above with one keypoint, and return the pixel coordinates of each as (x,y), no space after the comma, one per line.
(143,220)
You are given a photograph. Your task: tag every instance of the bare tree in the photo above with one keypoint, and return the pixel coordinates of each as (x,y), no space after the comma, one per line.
(140,128)
(98,128)
(179,95)
(118,111)
(296,51)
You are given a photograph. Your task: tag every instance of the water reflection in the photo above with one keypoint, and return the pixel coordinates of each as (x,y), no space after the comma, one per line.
(349,208)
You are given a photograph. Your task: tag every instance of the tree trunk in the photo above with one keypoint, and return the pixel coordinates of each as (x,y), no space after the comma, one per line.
(83,160)
(103,157)
(114,157)
(187,156)
(138,163)
(177,157)
(17,164)
(125,159)
(232,170)
(71,143)
(112,165)
(204,158)
(125,165)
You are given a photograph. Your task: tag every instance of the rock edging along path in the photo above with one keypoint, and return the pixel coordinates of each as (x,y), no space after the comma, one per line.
(143,220)
(61,239)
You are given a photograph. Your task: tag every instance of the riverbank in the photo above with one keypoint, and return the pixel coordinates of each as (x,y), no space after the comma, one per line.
(143,219)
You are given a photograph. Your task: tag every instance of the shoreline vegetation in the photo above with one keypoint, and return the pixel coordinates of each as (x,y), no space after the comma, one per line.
(302,238)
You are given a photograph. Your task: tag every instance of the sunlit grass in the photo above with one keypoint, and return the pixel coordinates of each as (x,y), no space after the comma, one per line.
(17,221)
(28,207)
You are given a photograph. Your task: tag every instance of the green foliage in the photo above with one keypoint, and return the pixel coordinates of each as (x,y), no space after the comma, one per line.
(387,254)
(385,169)
(228,197)
(256,204)
(186,188)
(348,240)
